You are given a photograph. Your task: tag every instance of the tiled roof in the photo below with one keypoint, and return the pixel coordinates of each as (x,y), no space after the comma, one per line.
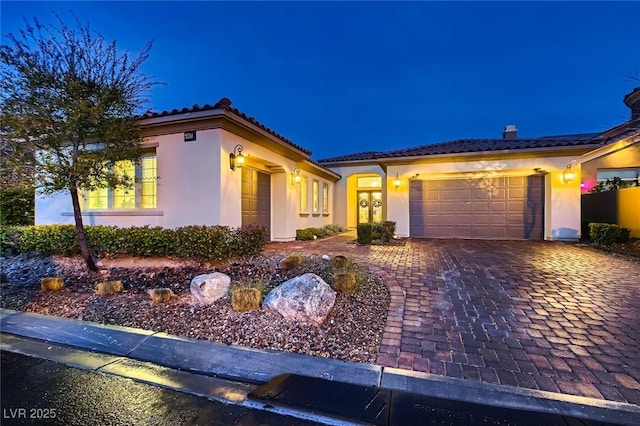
(223,104)
(460,146)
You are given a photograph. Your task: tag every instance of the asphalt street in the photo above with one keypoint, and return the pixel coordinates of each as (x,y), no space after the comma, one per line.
(41,392)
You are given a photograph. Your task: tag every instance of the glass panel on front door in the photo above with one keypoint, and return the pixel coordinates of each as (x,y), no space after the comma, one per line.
(369,206)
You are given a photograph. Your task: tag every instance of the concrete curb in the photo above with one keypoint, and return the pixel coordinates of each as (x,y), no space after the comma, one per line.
(259,366)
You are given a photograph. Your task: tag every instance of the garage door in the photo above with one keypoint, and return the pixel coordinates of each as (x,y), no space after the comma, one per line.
(492,208)
(256,197)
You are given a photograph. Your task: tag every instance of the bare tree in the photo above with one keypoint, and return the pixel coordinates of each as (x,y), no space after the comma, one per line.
(68,101)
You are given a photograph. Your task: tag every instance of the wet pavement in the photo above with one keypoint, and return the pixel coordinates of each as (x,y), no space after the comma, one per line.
(537,315)
(41,392)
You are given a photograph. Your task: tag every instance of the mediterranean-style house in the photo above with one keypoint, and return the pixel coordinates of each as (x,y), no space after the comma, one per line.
(214,165)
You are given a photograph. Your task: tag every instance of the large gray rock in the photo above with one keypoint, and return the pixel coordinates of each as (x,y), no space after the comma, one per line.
(208,288)
(304,298)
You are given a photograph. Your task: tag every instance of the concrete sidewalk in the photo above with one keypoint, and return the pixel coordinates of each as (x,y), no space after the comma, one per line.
(233,374)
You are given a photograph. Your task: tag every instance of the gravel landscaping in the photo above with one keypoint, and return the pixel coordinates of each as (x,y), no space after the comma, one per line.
(352,331)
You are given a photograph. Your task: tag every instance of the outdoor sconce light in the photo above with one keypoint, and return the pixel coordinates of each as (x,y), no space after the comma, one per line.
(295,176)
(568,175)
(396,182)
(236,159)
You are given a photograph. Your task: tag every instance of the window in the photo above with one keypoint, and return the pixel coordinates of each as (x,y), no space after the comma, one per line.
(97,200)
(143,193)
(325,198)
(125,198)
(626,175)
(304,206)
(369,182)
(316,196)
(148,186)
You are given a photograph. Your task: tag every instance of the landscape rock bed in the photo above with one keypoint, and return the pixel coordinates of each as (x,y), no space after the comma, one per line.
(352,331)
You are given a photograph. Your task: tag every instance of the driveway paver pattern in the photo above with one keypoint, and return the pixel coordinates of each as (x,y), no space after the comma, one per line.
(534,314)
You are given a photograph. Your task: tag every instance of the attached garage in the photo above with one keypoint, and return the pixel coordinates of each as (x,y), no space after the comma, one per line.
(256,197)
(493,208)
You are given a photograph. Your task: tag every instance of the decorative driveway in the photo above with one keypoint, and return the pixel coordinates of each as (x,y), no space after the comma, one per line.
(533,314)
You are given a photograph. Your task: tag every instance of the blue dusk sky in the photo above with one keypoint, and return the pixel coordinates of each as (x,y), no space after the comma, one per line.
(344,77)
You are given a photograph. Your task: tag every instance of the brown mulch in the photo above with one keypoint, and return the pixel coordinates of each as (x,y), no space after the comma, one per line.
(352,331)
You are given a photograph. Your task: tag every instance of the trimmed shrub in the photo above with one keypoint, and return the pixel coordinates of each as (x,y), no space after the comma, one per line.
(161,295)
(51,283)
(304,234)
(332,229)
(245,299)
(365,235)
(50,239)
(608,233)
(318,232)
(387,230)
(210,242)
(339,262)
(290,262)
(345,282)
(108,288)
(376,231)
(249,240)
(307,234)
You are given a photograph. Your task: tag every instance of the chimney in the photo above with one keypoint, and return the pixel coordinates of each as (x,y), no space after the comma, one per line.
(632,100)
(510,132)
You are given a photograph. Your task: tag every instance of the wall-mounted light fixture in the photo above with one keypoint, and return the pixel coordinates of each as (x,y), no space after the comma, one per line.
(236,158)
(295,176)
(396,182)
(568,175)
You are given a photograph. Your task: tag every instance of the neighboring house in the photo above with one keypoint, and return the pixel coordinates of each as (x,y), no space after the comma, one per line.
(508,188)
(185,178)
(616,160)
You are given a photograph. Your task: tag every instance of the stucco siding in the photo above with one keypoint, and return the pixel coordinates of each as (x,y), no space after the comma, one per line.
(626,157)
(562,200)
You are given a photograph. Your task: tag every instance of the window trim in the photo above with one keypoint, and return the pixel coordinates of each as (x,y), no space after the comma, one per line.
(137,188)
(315,196)
(325,198)
(304,195)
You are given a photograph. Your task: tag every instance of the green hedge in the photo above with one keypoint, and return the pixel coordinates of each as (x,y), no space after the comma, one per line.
(210,242)
(365,233)
(313,233)
(608,233)
(387,230)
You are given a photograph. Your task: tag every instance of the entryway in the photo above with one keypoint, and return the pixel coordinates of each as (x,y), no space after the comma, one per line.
(256,198)
(369,207)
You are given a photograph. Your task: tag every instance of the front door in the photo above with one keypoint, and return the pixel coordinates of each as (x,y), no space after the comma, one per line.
(369,206)
(256,198)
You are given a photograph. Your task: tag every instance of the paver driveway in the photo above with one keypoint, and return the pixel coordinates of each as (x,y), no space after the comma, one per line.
(538,315)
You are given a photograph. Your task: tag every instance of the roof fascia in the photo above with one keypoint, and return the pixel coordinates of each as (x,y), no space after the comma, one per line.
(219,119)
(610,148)
(469,156)
(316,169)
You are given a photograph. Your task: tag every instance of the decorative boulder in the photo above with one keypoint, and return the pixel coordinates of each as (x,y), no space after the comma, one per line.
(208,288)
(304,298)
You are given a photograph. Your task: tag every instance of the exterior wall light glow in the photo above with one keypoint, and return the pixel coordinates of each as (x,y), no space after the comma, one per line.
(295,176)
(396,182)
(568,175)
(236,158)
